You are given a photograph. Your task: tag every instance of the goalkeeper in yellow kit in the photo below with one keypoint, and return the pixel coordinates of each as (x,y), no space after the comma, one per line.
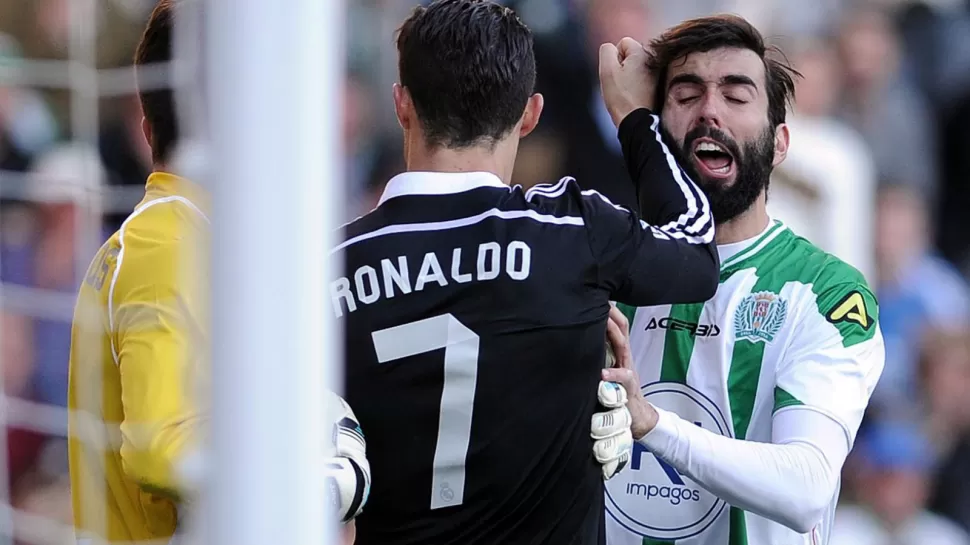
(139,352)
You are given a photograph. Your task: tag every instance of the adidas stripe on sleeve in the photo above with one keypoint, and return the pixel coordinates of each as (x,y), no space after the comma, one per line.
(669,256)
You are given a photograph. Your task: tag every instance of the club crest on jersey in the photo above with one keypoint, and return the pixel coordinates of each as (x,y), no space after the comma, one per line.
(759,316)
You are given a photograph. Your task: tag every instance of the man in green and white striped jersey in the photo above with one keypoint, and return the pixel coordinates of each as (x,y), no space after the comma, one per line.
(745,407)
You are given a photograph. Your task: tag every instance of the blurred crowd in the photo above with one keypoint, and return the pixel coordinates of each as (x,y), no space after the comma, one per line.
(878,174)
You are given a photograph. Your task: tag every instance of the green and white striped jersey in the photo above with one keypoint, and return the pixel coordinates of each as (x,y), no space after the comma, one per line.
(790,325)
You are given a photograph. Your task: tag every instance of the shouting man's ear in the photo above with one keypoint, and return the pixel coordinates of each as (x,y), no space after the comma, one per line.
(781,144)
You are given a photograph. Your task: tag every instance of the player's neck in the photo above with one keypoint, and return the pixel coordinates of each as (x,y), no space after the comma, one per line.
(746,225)
(496,160)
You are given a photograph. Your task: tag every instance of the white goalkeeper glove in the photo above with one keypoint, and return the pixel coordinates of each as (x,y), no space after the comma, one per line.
(610,430)
(347,472)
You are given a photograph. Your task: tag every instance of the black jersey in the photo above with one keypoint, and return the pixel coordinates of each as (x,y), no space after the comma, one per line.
(475,318)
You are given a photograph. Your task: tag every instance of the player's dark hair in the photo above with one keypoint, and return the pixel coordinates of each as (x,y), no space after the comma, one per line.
(725,31)
(158,104)
(469,68)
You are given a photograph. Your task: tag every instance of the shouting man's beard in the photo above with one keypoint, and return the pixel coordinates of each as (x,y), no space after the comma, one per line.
(752,170)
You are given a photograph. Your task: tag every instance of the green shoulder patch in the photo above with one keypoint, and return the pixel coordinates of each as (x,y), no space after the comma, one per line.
(844,300)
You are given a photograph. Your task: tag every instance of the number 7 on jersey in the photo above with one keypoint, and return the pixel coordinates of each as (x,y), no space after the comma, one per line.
(457,394)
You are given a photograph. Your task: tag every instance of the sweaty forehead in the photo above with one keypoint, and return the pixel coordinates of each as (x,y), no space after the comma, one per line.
(712,66)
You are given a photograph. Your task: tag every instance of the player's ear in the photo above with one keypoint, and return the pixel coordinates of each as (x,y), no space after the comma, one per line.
(146,130)
(403,106)
(530,117)
(781,144)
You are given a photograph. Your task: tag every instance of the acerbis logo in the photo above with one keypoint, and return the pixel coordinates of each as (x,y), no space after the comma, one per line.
(674,324)
(651,498)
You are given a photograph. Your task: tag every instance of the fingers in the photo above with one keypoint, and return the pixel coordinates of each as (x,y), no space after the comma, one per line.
(615,341)
(612,431)
(618,334)
(348,533)
(609,60)
(611,395)
(611,468)
(612,448)
(615,331)
(610,423)
(624,79)
(345,483)
(623,356)
(613,453)
(628,47)
(620,376)
(616,315)
(619,341)
(625,377)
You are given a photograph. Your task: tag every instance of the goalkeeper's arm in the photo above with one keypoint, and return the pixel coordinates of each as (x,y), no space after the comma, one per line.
(159,342)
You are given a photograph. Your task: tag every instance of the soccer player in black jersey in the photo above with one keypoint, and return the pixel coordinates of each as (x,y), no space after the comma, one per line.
(475,312)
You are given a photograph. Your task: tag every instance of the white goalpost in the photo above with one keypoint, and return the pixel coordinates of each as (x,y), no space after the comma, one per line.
(272,159)
(274,73)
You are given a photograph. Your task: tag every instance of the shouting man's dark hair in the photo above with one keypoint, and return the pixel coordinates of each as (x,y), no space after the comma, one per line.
(469,68)
(725,31)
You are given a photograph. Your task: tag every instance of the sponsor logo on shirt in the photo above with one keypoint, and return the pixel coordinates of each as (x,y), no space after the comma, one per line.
(759,316)
(675,324)
(651,498)
(852,309)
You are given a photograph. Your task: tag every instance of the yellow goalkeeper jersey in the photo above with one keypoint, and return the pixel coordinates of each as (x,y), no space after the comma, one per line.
(139,349)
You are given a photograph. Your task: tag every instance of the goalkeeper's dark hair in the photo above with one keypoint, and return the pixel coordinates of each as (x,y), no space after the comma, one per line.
(158,104)
(725,31)
(469,68)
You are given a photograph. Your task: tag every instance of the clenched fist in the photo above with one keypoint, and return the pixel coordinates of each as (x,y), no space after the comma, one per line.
(625,81)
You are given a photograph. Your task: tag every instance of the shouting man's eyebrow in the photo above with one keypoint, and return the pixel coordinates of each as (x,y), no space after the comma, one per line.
(694,79)
(737,79)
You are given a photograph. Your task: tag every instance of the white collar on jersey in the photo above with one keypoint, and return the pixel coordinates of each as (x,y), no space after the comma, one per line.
(438,183)
(727,251)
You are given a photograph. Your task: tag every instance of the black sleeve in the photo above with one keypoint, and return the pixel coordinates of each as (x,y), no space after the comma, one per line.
(665,192)
(672,259)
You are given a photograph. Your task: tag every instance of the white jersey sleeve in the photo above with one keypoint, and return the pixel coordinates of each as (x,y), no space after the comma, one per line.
(836,353)
(789,481)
